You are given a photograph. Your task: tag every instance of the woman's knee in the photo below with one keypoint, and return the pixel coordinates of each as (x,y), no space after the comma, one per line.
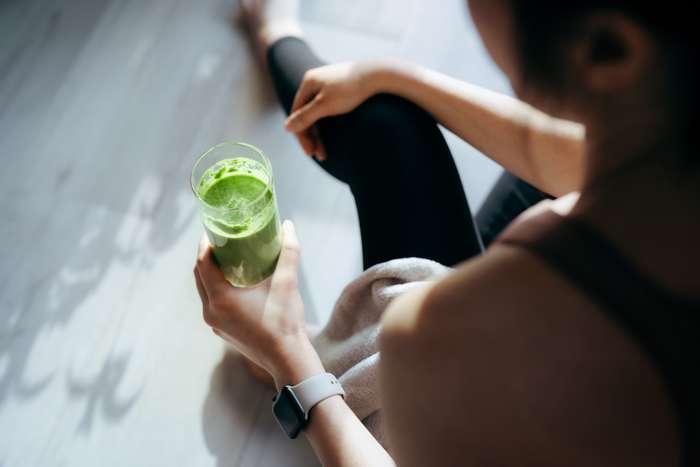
(385,132)
(387,114)
(385,122)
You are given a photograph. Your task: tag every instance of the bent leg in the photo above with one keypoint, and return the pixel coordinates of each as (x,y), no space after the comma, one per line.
(391,153)
(508,198)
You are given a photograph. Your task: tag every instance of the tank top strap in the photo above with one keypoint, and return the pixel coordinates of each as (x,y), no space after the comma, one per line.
(591,262)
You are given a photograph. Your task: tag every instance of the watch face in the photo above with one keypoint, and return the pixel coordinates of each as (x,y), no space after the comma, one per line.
(288,412)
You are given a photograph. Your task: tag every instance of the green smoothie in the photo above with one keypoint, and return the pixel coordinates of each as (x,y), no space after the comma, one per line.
(241,219)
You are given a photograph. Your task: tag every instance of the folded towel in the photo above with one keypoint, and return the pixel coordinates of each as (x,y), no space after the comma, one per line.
(348,343)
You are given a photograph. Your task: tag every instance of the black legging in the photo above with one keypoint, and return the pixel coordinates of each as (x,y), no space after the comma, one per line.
(407,190)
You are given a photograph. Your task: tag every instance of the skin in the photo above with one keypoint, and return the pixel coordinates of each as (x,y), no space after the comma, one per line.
(545,151)
(266,324)
(504,362)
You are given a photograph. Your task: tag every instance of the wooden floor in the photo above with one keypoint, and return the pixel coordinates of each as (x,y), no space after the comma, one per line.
(104,104)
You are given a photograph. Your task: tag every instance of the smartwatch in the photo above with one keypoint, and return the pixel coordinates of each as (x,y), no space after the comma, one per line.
(291,406)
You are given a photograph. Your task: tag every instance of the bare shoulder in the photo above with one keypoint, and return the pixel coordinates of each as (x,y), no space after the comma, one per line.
(503,362)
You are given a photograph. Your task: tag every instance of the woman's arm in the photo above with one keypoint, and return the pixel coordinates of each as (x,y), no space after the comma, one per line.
(337,436)
(542,150)
(266,324)
(340,439)
(545,151)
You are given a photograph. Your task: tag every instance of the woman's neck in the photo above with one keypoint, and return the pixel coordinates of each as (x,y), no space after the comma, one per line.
(620,150)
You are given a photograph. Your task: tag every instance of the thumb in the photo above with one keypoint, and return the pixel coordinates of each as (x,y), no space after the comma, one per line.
(309,114)
(287,265)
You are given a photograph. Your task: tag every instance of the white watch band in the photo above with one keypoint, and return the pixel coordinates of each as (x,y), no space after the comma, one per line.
(313,390)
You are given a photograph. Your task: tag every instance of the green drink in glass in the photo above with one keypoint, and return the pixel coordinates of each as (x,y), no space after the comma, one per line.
(236,194)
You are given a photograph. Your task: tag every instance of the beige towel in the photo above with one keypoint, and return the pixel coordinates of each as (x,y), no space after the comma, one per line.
(348,343)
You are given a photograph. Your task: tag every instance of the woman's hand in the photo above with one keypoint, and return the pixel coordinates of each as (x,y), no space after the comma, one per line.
(329,90)
(265,322)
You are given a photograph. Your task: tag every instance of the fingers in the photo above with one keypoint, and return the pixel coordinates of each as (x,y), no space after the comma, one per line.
(210,275)
(207,315)
(286,273)
(311,143)
(308,107)
(200,289)
(307,143)
(307,92)
(319,149)
(204,297)
(308,89)
(289,256)
(300,120)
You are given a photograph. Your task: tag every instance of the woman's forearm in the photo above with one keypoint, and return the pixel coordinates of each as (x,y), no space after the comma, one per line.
(545,151)
(340,439)
(337,436)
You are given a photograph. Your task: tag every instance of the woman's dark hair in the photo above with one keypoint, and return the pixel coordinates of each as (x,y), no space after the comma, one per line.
(543,27)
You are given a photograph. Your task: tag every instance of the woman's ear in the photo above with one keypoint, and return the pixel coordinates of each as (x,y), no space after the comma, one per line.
(611,52)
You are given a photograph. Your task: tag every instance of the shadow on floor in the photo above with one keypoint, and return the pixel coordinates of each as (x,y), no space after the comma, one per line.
(231,409)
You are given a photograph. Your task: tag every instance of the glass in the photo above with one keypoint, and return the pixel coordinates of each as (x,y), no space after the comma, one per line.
(237,203)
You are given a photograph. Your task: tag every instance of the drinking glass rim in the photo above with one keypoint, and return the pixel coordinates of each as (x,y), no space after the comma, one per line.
(268,169)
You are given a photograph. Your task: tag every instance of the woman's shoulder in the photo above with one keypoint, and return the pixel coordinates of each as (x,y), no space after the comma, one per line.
(505,281)
(518,357)
(501,279)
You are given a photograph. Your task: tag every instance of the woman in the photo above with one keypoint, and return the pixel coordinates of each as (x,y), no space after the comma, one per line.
(572,339)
